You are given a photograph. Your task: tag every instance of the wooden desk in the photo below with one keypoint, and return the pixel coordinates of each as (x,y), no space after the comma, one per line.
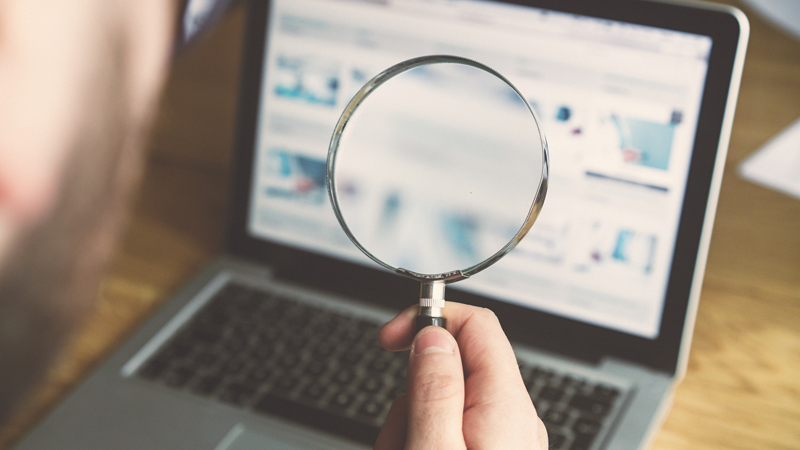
(742,389)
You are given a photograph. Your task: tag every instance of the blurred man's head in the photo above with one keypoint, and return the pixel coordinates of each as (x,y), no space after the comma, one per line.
(78,84)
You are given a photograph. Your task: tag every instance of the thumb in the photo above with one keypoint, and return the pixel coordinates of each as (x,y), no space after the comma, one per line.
(435,391)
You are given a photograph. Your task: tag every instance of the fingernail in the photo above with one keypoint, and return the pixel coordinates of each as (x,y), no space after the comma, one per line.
(433,339)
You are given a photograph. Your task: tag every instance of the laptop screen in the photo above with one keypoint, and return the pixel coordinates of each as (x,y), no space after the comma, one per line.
(618,102)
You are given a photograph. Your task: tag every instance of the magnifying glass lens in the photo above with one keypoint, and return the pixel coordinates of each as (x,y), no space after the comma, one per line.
(437,168)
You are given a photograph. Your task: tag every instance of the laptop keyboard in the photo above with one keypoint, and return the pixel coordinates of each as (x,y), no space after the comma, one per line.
(574,410)
(278,356)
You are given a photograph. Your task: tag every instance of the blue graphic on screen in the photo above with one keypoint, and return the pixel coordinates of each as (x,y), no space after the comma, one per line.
(306,79)
(644,143)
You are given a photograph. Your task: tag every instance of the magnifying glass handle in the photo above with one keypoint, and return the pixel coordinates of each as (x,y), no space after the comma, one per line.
(424,321)
(431,305)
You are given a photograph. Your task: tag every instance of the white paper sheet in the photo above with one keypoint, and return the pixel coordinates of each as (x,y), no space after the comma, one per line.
(777,164)
(783,13)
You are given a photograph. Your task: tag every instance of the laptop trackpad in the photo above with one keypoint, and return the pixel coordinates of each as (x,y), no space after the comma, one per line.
(240,438)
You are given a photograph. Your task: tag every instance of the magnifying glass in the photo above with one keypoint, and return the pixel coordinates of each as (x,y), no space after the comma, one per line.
(436,169)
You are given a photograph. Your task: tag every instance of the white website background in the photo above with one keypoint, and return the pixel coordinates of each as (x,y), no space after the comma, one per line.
(618,104)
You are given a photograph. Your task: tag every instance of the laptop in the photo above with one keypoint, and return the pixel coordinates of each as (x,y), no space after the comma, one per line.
(273,345)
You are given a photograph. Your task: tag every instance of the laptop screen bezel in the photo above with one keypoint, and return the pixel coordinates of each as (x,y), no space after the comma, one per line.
(539,329)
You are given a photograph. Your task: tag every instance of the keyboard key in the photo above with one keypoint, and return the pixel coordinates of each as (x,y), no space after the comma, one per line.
(234,367)
(542,374)
(342,400)
(245,327)
(528,379)
(263,352)
(329,421)
(351,357)
(589,404)
(324,328)
(289,360)
(206,359)
(316,368)
(325,348)
(268,336)
(348,335)
(582,442)
(314,391)
(368,328)
(343,376)
(554,417)
(296,342)
(555,440)
(153,368)
(402,370)
(178,377)
(177,349)
(397,391)
(205,335)
(286,383)
(586,426)
(371,408)
(372,384)
(246,303)
(603,392)
(299,317)
(272,316)
(258,375)
(550,393)
(213,317)
(370,343)
(229,293)
(235,344)
(207,384)
(380,364)
(265,299)
(570,382)
(237,394)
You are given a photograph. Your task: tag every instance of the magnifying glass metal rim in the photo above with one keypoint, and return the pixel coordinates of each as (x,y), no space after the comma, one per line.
(333,148)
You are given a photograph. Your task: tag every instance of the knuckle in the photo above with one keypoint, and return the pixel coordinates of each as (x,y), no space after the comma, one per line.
(434,387)
(487,315)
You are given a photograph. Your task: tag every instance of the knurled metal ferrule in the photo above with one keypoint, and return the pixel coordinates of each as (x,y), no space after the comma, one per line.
(431,303)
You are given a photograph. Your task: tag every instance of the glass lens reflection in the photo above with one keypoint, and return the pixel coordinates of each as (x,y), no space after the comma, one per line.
(438,167)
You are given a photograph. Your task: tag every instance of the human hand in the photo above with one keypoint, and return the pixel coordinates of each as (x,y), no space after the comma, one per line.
(464,389)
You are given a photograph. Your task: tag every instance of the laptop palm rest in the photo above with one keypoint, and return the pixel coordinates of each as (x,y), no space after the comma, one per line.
(241,438)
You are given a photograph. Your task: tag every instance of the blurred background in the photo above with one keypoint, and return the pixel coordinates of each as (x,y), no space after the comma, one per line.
(742,389)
